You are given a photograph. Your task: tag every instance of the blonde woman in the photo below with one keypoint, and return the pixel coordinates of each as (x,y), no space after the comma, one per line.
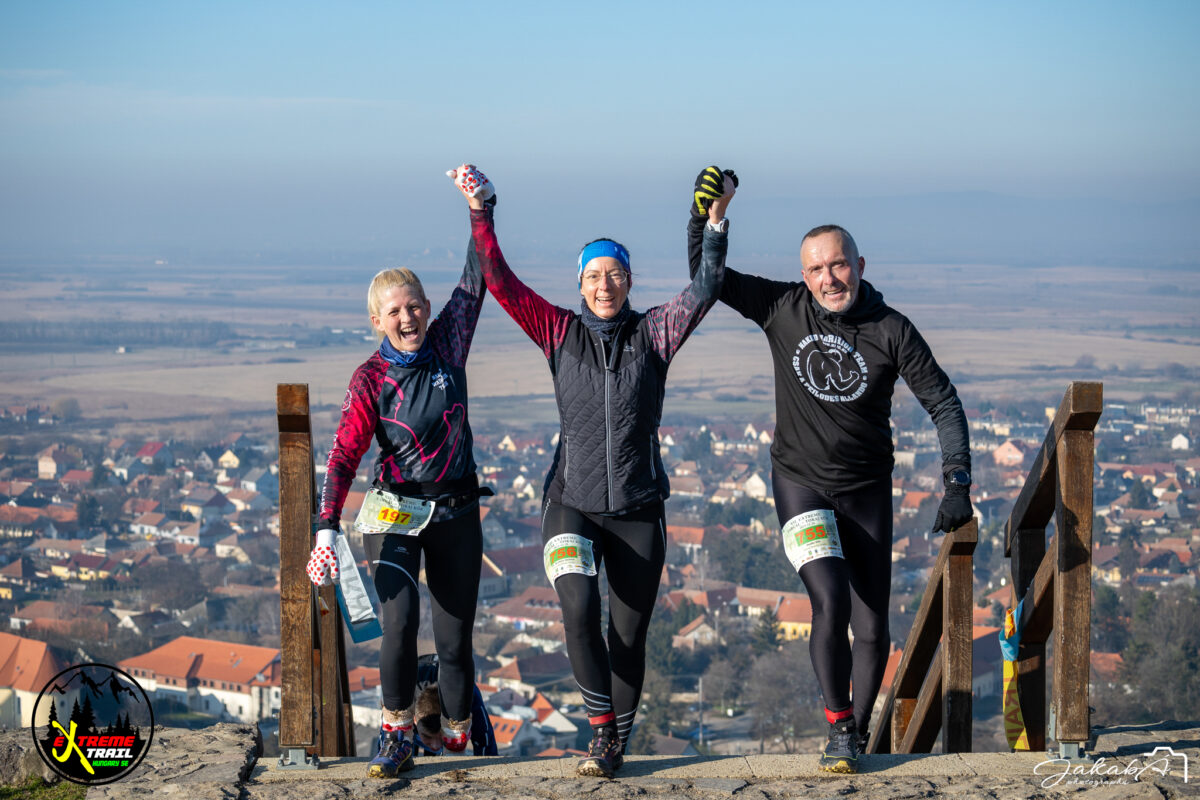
(410,396)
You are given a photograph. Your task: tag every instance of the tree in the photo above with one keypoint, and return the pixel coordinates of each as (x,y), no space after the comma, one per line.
(87,716)
(88,511)
(1163,655)
(1140,496)
(766,634)
(66,408)
(1108,630)
(784,697)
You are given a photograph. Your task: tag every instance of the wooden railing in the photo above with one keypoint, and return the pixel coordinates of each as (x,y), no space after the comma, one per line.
(314,715)
(1055,579)
(931,691)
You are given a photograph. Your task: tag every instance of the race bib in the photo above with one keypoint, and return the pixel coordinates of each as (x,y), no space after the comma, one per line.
(567,553)
(384,512)
(811,535)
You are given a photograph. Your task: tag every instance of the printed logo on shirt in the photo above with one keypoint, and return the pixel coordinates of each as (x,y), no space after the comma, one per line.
(346,402)
(441,380)
(830,369)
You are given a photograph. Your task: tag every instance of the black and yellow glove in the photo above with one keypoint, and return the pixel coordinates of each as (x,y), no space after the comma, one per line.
(710,184)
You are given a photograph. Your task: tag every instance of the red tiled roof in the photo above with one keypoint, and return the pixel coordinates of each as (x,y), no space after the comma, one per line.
(363,678)
(505,729)
(191,657)
(26,664)
(682,534)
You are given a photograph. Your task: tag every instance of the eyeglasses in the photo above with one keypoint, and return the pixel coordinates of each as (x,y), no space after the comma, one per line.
(618,277)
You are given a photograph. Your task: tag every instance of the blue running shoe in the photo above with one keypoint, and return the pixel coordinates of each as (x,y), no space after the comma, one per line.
(841,752)
(395,756)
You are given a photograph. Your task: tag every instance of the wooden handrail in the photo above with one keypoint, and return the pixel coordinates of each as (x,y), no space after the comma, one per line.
(1054,580)
(931,691)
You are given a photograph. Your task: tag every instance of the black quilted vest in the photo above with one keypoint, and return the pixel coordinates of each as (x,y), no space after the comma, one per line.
(610,400)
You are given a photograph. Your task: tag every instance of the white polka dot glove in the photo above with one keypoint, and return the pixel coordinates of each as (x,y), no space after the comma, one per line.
(473,183)
(322,564)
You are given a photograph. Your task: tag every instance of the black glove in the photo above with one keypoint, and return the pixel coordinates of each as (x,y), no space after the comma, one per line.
(710,184)
(955,510)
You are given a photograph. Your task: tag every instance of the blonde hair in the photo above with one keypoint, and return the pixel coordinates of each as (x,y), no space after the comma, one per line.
(386,279)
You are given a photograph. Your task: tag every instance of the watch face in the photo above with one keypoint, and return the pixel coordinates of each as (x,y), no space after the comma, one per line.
(960,477)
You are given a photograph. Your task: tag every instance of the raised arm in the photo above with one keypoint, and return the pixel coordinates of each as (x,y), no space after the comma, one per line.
(753,297)
(543,322)
(672,322)
(452,331)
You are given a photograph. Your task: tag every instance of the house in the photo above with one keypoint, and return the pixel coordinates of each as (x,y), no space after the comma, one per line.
(155,453)
(794,617)
(912,501)
(26,666)
(531,674)
(205,501)
(1012,453)
(691,539)
(127,467)
(661,745)
(554,725)
(80,621)
(17,578)
(261,480)
(535,607)
(221,679)
(147,525)
(515,737)
(515,562)
(1180,442)
(697,633)
(687,486)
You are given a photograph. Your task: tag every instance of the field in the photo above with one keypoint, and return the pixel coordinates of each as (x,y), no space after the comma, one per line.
(999,331)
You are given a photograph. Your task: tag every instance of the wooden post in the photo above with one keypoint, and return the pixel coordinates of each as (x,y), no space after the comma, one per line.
(957,645)
(296,623)
(315,698)
(1073,586)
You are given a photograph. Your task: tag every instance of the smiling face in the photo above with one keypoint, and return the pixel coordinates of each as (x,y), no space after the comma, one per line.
(605,285)
(832,270)
(403,317)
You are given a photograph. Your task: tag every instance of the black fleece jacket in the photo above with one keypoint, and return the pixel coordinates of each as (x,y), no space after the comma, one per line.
(834,378)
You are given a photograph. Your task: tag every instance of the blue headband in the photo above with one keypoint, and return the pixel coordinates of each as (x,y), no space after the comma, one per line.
(602,248)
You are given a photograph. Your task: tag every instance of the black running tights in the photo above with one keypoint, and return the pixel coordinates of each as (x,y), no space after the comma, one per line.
(851,592)
(631,547)
(453,549)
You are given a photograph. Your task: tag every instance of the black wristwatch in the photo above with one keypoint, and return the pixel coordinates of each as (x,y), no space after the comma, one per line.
(960,477)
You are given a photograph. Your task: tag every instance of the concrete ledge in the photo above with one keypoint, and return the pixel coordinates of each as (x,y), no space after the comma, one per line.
(746,768)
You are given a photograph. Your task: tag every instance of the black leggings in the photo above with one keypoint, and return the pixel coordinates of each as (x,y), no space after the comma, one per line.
(847,592)
(453,549)
(632,548)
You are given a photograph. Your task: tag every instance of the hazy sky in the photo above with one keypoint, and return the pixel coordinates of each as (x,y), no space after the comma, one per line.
(322,130)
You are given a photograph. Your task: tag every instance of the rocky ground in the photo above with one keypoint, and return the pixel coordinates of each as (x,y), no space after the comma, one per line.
(221,763)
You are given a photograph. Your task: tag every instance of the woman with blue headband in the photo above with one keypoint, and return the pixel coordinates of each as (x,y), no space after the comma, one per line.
(604,495)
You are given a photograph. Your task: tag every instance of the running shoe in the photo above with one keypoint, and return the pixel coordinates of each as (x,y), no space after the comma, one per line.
(395,755)
(841,752)
(604,755)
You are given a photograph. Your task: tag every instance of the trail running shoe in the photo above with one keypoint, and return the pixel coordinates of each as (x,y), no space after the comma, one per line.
(841,752)
(604,755)
(395,756)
